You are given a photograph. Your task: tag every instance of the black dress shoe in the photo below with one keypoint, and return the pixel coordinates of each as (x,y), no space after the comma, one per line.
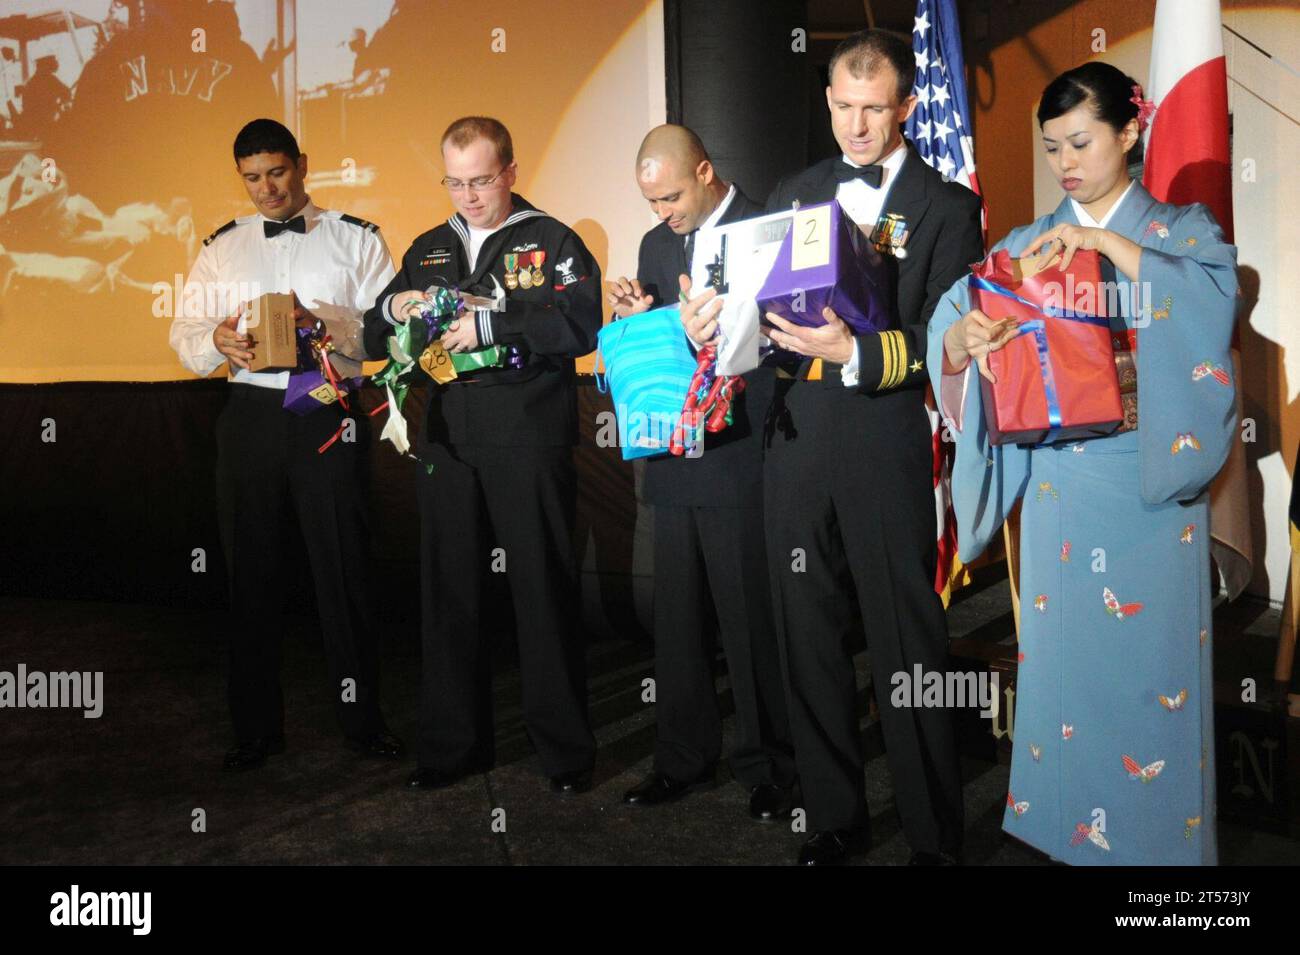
(933,858)
(571,784)
(382,744)
(768,802)
(253,753)
(657,789)
(834,846)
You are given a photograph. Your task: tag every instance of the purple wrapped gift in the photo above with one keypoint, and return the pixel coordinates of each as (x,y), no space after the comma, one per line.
(826,260)
(308,388)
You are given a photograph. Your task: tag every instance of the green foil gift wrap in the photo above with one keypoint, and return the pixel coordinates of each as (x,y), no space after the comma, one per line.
(409,340)
(494,356)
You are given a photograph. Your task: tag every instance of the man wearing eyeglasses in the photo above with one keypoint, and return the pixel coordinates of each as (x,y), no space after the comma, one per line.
(496,460)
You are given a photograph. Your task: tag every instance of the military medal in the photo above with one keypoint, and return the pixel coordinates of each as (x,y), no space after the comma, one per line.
(512,264)
(538,258)
(526,274)
(890,235)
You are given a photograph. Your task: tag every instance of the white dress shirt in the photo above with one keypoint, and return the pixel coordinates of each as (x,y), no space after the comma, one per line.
(336,267)
(713,218)
(863,204)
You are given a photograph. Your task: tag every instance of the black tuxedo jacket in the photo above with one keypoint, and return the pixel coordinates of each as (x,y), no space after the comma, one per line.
(945,238)
(729,472)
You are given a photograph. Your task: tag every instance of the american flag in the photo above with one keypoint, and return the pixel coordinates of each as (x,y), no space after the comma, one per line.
(938,127)
(939,131)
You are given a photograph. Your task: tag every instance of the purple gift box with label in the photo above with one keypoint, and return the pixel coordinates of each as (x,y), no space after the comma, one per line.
(824,260)
(308,389)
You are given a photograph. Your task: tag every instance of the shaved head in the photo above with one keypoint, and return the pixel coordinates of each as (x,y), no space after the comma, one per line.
(676,176)
(673,145)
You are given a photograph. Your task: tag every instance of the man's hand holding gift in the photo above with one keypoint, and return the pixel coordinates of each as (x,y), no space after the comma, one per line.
(301,317)
(461,334)
(831,342)
(235,345)
(699,314)
(407,305)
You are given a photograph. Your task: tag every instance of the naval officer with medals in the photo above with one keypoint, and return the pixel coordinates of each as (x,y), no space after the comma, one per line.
(847,474)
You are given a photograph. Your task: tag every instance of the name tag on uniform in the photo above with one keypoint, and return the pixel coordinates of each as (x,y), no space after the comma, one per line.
(438,256)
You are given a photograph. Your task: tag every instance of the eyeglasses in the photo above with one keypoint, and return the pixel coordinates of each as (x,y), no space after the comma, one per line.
(482,182)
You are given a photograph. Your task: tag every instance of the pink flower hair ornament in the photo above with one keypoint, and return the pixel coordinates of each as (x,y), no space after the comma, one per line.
(1146,108)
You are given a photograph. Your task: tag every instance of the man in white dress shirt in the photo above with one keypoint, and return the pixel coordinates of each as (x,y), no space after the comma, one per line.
(269,462)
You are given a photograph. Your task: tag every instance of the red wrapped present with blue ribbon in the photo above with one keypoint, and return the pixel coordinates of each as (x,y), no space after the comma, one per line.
(1056,379)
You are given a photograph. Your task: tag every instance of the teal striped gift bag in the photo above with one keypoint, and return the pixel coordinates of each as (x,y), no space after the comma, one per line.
(648,369)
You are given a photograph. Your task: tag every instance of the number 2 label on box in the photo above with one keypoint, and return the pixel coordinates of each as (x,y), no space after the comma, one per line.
(811,241)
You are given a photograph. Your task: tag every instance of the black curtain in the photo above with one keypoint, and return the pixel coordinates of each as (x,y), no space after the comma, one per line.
(739,75)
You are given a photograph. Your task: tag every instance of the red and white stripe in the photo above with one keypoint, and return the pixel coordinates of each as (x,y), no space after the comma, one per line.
(1187,158)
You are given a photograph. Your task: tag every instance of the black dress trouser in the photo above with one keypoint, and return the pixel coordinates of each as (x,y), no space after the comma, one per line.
(851,532)
(267,467)
(528,498)
(717,555)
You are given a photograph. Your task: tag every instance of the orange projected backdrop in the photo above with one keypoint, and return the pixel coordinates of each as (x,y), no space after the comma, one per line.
(118,120)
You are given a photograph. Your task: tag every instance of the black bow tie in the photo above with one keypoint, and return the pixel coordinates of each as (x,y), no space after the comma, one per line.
(272,228)
(871,175)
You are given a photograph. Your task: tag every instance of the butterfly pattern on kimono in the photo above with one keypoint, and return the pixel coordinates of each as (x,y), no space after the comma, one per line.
(1036,751)
(1065,552)
(1175,702)
(1116,609)
(1185,439)
(1040,603)
(1192,823)
(1089,833)
(1208,369)
(1186,535)
(1144,773)
(1067,730)
(1155,226)
(1045,488)
(1160,313)
(1020,808)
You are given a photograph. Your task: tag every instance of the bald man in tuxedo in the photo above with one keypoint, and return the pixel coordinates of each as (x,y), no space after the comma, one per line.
(709,553)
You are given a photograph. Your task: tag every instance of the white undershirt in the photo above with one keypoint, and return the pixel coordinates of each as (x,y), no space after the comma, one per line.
(477,237)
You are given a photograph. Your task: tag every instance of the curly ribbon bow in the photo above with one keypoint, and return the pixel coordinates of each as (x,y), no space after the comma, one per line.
(710,397)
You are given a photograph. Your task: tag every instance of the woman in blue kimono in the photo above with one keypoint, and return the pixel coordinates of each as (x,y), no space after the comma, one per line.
(1113,761)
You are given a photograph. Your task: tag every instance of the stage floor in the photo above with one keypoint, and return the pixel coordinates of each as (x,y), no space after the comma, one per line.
(123,788)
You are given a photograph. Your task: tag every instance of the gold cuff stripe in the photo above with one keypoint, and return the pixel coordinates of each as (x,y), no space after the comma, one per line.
(893,359)
(886,360)
(901,367)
